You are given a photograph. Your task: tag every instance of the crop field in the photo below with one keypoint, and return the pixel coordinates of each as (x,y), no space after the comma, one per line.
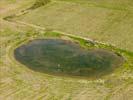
(66,50)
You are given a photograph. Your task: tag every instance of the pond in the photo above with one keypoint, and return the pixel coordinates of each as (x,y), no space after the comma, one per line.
(63,57)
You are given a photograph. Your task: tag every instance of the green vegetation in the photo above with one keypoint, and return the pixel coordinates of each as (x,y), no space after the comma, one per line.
(39,3)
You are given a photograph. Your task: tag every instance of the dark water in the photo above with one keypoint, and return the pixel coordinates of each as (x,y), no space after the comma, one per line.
(61,57)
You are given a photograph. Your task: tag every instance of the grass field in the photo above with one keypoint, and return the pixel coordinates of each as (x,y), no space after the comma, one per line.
(99,21)
(109,22)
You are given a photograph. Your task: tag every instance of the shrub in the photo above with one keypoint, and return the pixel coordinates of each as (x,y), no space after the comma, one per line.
(39,3)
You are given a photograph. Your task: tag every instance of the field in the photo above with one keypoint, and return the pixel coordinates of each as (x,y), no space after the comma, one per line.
(107,24)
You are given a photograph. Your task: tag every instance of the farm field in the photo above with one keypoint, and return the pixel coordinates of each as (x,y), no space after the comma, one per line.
(110,24)
(91,24)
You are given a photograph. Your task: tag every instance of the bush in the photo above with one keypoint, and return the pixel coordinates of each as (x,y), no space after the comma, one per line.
(39,3)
